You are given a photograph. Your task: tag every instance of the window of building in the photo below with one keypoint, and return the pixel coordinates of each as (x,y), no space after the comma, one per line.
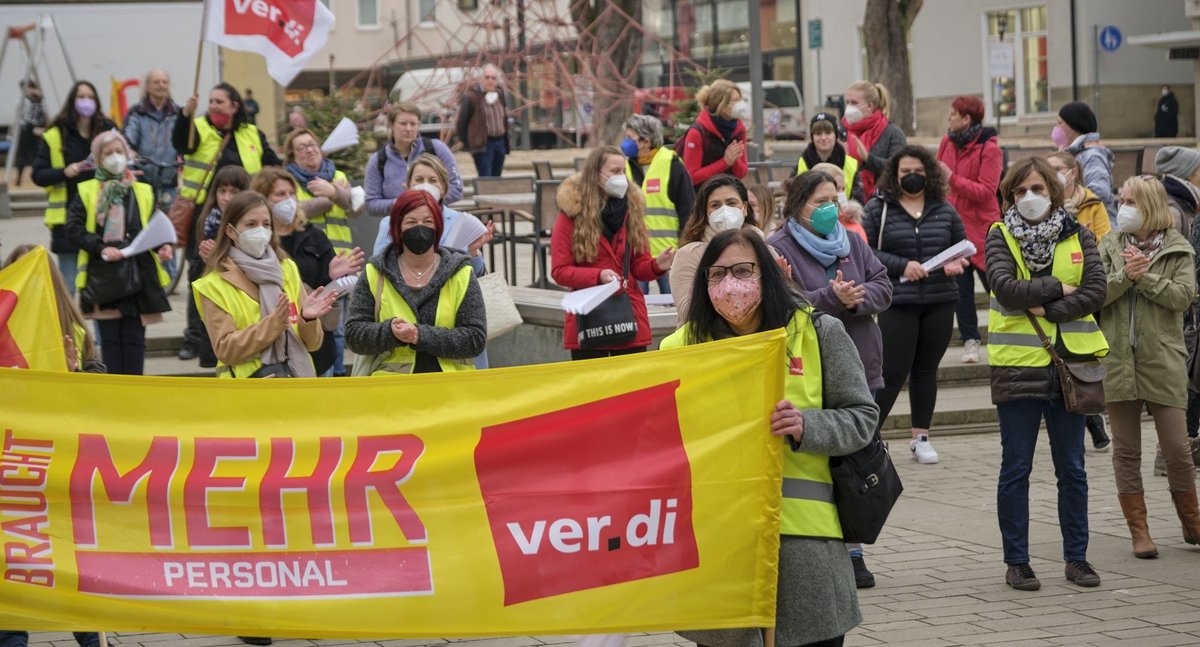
(368,14)
(1026,89)
(426,11)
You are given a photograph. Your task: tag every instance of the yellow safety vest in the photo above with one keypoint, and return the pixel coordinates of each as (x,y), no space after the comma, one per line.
(56,195)
(1012,339)
(246,311)
(849,170)
(403,359)
(196,166)
(334,223)
(808,507)
(661,219)
(89,191)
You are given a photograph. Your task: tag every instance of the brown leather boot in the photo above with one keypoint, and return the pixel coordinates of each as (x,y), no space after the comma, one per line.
(1189,514)
(1134,508)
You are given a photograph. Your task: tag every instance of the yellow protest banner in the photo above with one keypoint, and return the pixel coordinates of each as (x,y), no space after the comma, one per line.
(627,494)
(30,336)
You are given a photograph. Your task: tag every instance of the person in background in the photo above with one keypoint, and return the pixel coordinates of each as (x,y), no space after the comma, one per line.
(716,143)
(722,203)
(850,210)
(600,216)
(387,169)
(32,126)
(838,274)
(227,183)
(251,107)
(148,128)
(1151,283)
(871,138)
(665,183)
(1166,114)
(763,208)
(62,163)
(323,192)
(418,303)
(107,213)
(261,320)
(482,124)
(1033,269)
(740,290)
(1076,134)
(826,149)
(909,222)
(1180,169)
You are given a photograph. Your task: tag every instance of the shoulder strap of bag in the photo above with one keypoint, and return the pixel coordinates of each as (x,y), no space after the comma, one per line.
(625,270)
(213,168)
(1046,343)
(882,222)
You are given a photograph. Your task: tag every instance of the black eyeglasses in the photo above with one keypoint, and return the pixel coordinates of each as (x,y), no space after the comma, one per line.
(717,273)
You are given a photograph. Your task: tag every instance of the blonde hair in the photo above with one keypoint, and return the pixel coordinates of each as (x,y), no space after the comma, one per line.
(289,144)
(240,205)
(875,94)
(439,169)
(70,317)
(1071,162)
(832,170)
(1151,199)
(717,95)
(263,183)
(585,241)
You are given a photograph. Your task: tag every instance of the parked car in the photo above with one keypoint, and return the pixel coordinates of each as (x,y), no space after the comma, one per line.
(783,110)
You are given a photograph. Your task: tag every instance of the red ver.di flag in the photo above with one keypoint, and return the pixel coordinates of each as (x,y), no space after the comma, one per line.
(285,32)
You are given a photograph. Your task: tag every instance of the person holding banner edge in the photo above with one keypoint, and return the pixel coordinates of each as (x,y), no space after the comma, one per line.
(827,410)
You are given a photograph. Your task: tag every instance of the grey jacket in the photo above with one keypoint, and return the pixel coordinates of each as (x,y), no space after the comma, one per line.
(817,599)
(365,335)
(889,142)
(1097,163)
(148,131)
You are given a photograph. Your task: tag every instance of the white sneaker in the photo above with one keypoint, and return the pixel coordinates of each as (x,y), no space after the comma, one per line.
(922,450)
(970,351)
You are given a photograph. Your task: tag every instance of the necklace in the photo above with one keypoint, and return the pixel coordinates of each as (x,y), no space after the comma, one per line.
(420,276)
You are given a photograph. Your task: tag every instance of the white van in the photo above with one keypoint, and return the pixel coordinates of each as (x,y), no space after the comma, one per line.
(783,110)
(436,91)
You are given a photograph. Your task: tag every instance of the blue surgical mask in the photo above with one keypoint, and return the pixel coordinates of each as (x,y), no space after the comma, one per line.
(630,148)
(825,218)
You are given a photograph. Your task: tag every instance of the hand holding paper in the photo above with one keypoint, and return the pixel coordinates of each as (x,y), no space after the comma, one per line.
(960,250)
(581,302)
(159,231)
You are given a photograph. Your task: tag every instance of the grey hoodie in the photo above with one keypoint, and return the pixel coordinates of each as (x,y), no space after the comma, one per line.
(365,335)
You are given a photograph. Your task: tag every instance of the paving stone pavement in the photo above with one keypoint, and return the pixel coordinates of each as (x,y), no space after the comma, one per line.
(940,574)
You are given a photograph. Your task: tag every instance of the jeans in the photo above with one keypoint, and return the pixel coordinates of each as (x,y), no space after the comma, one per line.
(1019,423)
(68,264)
(21,639)
(490,161)
(968,319)
(1170,424)
(663,282)
(123,345)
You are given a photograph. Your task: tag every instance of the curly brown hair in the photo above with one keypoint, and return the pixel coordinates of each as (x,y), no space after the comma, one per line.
(935,180)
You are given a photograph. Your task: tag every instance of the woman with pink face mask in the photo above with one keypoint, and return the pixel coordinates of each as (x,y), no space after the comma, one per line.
(827,410)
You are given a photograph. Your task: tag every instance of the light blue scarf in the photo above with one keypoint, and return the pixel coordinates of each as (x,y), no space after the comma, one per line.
(827,250)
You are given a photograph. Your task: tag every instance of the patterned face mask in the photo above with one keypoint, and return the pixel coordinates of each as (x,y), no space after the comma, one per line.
(736,300)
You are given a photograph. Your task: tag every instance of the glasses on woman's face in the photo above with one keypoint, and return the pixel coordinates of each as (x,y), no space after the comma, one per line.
(717,273)
(304,148)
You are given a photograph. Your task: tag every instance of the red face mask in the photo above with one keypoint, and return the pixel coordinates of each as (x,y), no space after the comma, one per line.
(219,119)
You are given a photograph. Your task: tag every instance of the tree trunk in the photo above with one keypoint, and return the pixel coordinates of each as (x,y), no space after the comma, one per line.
(885,28)
(610,50)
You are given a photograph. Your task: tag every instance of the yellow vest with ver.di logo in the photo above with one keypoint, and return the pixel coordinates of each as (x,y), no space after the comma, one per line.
(334,223)
(662,222)
(403,359)
(1012,339)
(197,165)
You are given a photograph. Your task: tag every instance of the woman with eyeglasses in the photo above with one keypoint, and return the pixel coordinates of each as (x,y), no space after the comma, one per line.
(908,223)
(827,410)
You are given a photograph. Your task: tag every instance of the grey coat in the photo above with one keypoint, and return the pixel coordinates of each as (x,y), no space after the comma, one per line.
(889,142)
(365,335)
(816,598)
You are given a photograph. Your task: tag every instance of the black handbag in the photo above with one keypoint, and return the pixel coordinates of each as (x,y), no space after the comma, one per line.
(109,282)
(865,487)
(612,323)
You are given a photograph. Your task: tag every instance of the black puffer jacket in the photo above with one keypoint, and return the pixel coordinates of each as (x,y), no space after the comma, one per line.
(914,239)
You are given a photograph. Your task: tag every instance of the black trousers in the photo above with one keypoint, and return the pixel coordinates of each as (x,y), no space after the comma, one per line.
(195,336)
(968,319)
(915,339)
(123,345)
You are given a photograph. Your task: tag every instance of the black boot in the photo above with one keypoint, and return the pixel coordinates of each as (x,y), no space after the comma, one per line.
(1095,426)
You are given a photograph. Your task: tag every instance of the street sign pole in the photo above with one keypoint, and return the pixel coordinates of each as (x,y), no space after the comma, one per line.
(756,81)
(816,41)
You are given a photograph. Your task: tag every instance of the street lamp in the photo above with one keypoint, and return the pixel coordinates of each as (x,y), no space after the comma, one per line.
(1001,27)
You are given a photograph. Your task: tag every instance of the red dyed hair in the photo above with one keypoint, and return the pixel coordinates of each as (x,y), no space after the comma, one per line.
(411,201)
(969,105)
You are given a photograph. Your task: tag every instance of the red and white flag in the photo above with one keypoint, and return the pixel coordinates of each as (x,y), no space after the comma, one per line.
(285,32)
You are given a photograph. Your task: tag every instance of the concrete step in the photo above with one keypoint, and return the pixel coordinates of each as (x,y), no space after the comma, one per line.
(960,409)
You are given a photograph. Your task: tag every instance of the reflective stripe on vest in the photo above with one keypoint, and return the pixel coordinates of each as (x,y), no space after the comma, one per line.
(89,191)
(334,223)
(245,311)
(1012,339)
(56,195)
(662,220)
(403,360)
(197,165)
(808,508)
(849,170)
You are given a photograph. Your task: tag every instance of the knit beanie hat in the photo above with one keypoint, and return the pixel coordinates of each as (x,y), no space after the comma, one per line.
(1079,117)
(829,118)
(1177,160)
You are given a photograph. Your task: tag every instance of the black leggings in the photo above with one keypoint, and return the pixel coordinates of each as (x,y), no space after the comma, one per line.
(915,338)
(123,345)
(580,353)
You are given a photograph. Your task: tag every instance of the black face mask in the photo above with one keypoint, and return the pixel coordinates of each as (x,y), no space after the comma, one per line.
(418,239)
(913,183)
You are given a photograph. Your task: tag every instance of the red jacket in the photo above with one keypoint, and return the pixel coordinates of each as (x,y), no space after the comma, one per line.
(977,168)
(569,273)
(697,144)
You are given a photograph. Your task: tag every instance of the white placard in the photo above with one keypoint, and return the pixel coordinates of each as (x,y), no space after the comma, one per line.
(581,302)
(158,232)
(962,249)
(1001,60)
